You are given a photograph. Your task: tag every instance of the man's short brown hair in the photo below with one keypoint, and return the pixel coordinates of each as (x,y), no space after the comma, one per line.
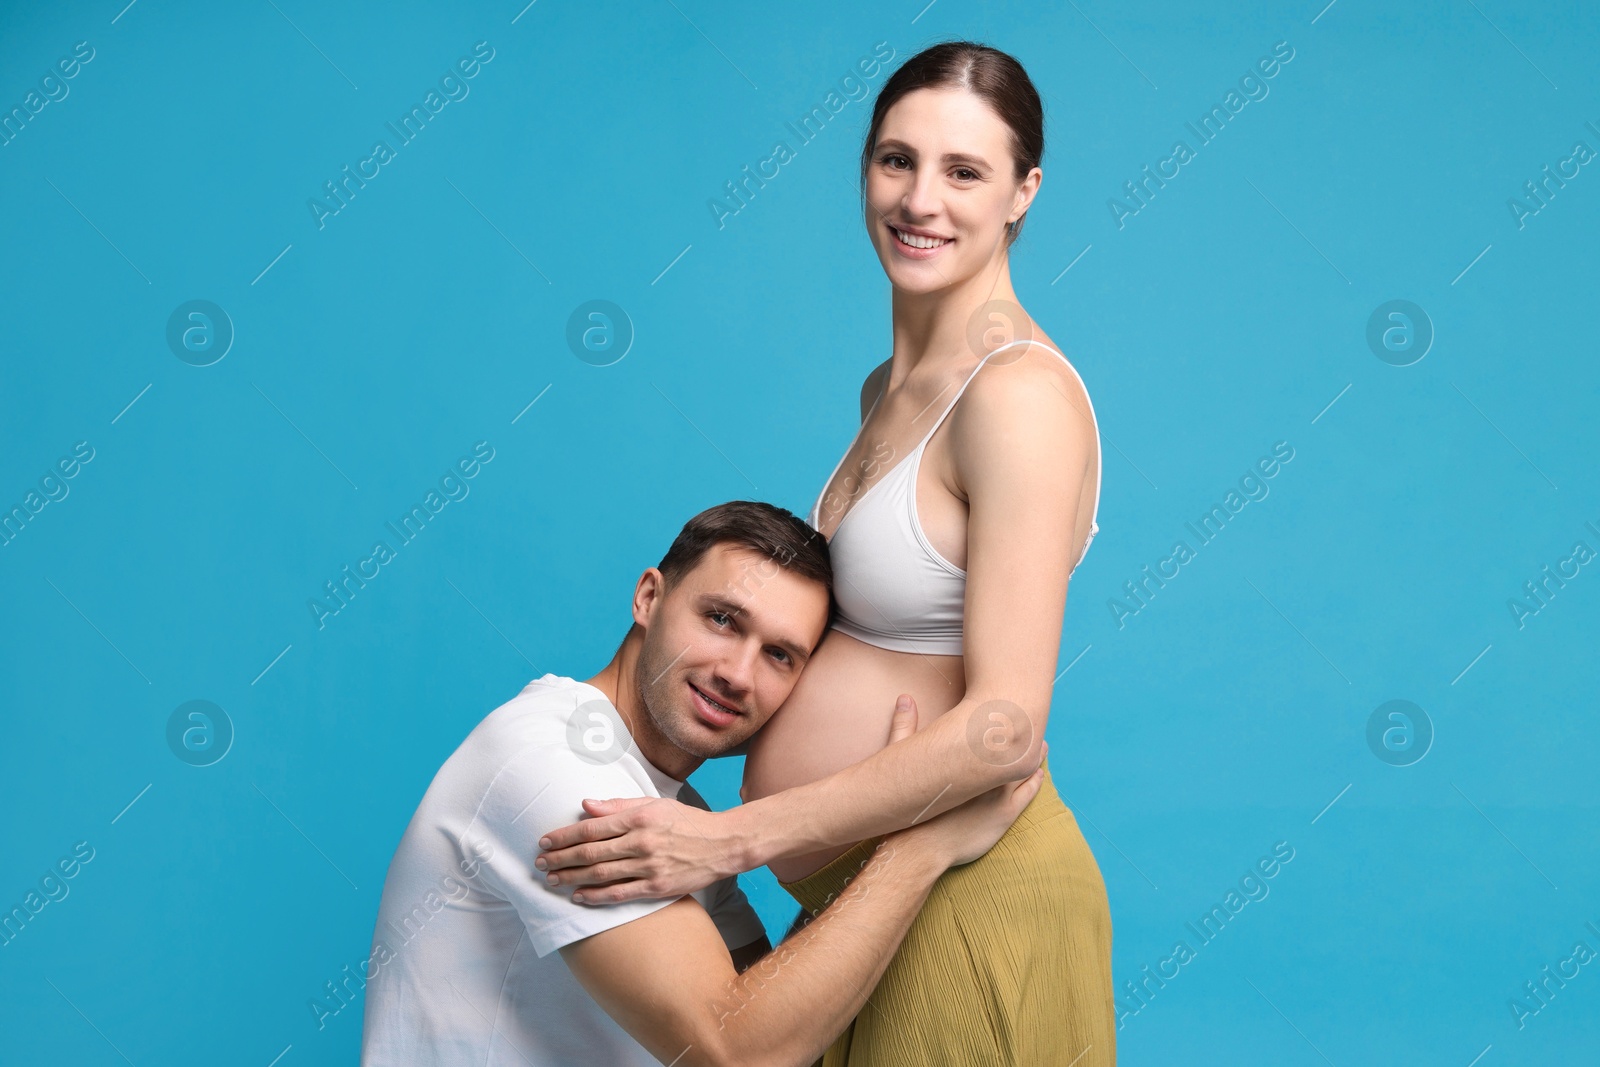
(765,529)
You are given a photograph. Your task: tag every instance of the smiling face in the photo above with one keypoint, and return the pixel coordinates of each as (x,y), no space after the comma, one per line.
(942,174)
(722,648)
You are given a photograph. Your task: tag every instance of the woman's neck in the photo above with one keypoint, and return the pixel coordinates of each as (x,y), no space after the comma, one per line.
(957,323)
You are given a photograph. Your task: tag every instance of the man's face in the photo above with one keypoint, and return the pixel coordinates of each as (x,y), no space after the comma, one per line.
(736,632)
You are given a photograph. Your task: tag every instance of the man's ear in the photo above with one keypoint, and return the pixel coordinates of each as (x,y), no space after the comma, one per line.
(647,593)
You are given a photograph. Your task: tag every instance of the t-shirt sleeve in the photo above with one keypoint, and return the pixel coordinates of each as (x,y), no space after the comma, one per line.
(736,920)
(538,790)
(724,901)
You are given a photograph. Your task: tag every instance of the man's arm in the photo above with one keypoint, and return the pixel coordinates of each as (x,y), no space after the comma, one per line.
(668,981)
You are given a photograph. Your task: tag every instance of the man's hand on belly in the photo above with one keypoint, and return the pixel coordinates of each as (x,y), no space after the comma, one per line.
(641,848)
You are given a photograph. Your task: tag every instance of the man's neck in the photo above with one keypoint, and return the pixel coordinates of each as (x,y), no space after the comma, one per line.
(619,681)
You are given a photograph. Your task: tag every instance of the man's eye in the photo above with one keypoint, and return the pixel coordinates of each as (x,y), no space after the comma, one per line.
(782,653)
(715,615)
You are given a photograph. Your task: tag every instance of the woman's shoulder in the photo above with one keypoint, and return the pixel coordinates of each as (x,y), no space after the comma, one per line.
(872,387)
(1028,368)
(1027,390)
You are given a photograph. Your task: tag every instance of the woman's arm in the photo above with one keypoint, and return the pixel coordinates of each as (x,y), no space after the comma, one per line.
(1022,449)
(1022,443)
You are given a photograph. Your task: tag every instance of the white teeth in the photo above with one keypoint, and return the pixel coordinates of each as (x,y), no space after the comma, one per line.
(918,241)
(713,703)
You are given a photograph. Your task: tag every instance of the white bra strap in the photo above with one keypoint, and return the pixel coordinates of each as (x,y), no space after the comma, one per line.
(1099,469)
(951,406)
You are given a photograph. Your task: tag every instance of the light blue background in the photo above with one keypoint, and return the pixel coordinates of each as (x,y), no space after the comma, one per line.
(1227,315)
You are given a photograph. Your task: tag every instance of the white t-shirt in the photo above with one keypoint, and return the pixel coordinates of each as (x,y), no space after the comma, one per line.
(463,967)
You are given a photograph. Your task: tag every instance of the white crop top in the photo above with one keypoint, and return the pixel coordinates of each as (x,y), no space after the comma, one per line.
(893,588)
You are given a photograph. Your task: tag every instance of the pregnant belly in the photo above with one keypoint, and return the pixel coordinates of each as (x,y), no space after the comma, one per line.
(839,714)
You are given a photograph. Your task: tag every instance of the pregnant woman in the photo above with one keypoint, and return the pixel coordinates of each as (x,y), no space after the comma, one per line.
(955,520)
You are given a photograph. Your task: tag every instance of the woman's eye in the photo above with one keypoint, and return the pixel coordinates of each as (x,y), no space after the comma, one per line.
(966,175)
(891,160)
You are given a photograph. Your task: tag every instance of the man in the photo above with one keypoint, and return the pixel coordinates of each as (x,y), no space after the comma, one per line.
(479,961)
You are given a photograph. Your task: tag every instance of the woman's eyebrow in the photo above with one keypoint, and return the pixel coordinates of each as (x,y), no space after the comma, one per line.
(949,157)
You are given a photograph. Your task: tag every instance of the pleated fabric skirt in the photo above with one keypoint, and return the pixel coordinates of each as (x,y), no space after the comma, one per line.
(1007,964)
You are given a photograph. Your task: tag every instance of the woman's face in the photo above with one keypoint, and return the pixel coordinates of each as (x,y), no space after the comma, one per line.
(941,174)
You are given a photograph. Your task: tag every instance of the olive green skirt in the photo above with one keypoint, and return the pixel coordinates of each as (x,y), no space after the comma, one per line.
(1008,963)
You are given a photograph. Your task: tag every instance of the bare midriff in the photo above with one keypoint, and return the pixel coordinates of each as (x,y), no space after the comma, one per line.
(838,714)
